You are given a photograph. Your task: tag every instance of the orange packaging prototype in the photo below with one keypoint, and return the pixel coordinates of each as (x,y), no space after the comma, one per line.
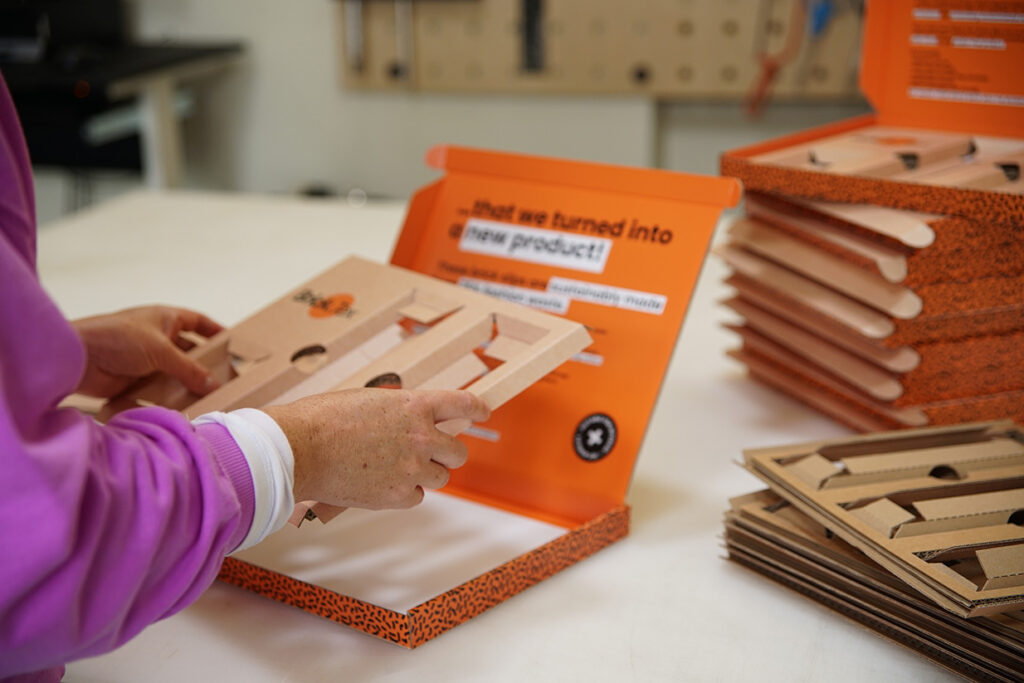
(616,249)
(947,135)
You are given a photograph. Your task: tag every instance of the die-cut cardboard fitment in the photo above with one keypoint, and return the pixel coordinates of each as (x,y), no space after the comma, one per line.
(941,508)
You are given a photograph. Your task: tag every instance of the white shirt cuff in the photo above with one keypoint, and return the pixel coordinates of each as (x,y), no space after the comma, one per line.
(270,459)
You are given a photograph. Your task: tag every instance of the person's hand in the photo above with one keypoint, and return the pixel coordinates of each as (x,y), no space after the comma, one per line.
(125,346)
(374,448)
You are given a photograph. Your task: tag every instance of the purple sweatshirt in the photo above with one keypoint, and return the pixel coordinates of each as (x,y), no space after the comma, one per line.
(103,529)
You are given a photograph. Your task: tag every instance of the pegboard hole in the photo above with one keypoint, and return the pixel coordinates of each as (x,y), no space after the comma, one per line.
(396,71)
(597,27)
(730,28)
(597,72)
(729,73)
(474,71)
(819,73)
(685,73)
(773,27)
(685,27)
(640,28)
(641,73)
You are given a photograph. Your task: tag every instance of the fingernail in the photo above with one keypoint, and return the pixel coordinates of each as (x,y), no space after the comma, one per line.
(210,384)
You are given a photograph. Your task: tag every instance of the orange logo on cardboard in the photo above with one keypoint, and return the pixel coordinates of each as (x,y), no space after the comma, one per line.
(325,306)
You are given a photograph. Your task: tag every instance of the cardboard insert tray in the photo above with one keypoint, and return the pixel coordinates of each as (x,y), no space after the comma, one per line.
(941,508)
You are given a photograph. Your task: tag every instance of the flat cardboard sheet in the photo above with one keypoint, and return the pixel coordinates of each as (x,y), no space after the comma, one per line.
(921,503)
(770,536)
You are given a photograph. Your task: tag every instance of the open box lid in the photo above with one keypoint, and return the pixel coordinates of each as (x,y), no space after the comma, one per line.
(617,249)
(945,66)
(948,133)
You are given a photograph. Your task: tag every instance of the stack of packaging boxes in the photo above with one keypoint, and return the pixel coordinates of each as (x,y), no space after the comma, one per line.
(880,268)
(879,275)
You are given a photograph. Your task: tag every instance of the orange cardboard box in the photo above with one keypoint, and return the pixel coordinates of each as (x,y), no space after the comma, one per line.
(947,135)
(616,249)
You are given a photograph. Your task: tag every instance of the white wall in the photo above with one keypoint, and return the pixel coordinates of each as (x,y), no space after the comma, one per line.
(280,120)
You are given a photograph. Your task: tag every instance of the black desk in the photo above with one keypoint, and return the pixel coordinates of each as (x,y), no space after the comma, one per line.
(56,96)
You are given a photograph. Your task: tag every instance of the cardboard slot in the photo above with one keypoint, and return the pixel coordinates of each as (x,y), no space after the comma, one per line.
(335,372)
(982,174)
(878,152)
(948,462)
(866,376)
(819,266)
(1006,502)
(911,496)
(939,526)
(819,298)
(890,262)
(457,375)
(935,437)
(942,472)
(424,355)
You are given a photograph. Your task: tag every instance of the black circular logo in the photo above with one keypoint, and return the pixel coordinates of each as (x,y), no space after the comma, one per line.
(595,437)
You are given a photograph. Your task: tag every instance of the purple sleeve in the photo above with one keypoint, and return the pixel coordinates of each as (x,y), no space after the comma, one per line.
(103,529)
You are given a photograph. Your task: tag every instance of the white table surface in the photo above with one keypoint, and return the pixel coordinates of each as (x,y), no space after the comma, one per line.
(660,605)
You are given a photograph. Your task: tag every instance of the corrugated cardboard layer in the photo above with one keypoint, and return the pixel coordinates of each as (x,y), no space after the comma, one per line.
(946,370)
(800,380)
(770,536)
(942,563)
(871,289)
(1003,313)
(899,246)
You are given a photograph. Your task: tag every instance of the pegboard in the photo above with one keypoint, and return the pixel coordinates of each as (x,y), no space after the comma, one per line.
(662,48)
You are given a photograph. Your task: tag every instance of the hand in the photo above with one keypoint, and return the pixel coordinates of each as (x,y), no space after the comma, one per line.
(125,346)
(374,448)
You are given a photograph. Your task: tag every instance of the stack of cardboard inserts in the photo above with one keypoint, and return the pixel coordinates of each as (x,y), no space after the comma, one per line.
(878,317)
(915,534)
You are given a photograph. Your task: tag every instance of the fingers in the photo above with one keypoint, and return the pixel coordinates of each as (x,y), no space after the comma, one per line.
(450,452)
(434,476)
(193,321)
(412,500)
(454,405)
(194,376)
